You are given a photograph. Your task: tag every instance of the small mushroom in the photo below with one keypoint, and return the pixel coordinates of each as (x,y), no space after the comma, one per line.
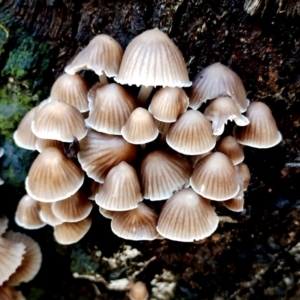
(138,291)
(231,148)
(3,224)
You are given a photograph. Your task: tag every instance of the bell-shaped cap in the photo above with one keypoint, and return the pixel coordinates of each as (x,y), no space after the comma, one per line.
(138,291)
(110,108)
(24,136)
(103,54)
(231,148)
(31,262)
(186,217)
(215,81)
(215,177)
(121,189)
(9,293)
(42,144)
(27,214)
(191,134)
(108,214)
(47,215)
(162,174)
(60,121)
(71,89)
(244,172)
(93,189)
(168,104)
(262,131)
(99,152)
(137,224)
(53,177)
(140,127)
(72,209)
(234,204)
(70,233)
(222,109)
(152,59)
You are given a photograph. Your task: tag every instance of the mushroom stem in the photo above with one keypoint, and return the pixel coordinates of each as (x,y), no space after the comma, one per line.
(144,94)
(103,78)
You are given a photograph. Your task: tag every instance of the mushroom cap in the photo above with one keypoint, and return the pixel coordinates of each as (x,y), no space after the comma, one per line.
(136,224)
(222,109)
(58,120)
(72,209)
(11,256)
(103,54)
(152,59)
(53,177)
(234,204)
(3,224)
(27,214)
(168,103)
(121,189)
(23,136)
(71,89)
(42,144)
(94,188)
(47,215)
(31,262)
(244,172)
(9,293)
(162,174)
(110,108)
(215,177)
(231,148)
(140,127)
(99,152)
(70,233)
(186,217)
(215,81)
(108,214)
(138,291)
(191,134)
(262,131)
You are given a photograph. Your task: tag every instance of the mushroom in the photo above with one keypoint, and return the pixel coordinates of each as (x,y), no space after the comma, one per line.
(244,172)
(138,291)
(9,293)
(234,204)
(231,148)
(108,214)
(152,59)
(47,215)
(3,224)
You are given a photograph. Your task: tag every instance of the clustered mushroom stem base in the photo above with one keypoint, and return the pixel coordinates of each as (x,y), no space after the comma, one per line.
(144,94)
(103,78)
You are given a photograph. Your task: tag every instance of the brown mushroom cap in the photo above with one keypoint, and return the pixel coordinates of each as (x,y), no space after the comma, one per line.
(106,213)
(99,152)
(103,54)
(168,103)
(215,177)
(71,89)
(186,217)
(162,174)
(110,109)
(9,293)
(215,81)
(42,144)
(138,291)
(191,134)
(121,189)
(31,262)
(234,204)
(140,127)
(262,131)
(231,148)
(152,59)
(27,214)
(244,172)
(57,120)
(47,215)
(3,224)
(53,177)
(136,224)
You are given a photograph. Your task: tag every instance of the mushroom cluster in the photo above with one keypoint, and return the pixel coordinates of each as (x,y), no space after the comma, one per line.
(20,260)
(154,164)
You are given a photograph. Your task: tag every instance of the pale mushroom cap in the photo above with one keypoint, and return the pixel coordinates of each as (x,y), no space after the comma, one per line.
(110,109)
(102,55)
(231,148)
(72,209)
(140,127)
(27,214)
(215,177)
(70,233)
(152,59)
(9,293)
(262,131)
(121,189)
(11,256)
(31,262)
(186,217)
(106,213)
(191,134)
(53,177)
(162,174)
(244,172)
(168,104)
(24,136)
(3,224)
(94,188)
(57,120)
(42,144)
(47,215)
(99,152)
(234,204)
(137,224)
(138,291)
(71,89)
(215,81)
(222,109)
